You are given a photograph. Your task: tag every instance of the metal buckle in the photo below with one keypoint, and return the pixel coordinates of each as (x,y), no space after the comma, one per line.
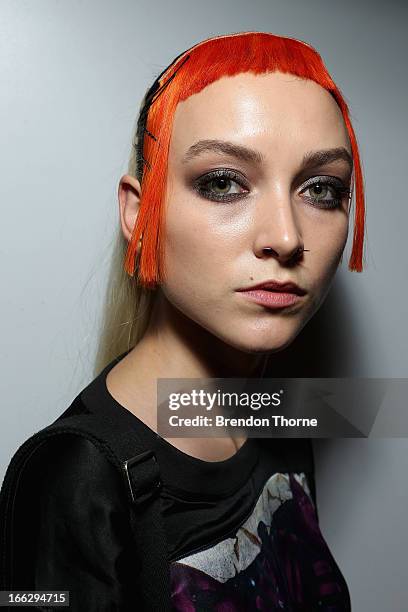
(151,491)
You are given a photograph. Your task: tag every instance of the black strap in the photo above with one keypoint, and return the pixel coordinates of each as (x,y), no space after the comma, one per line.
(139,471)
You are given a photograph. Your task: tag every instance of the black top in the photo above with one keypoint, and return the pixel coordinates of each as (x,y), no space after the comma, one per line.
(243,533)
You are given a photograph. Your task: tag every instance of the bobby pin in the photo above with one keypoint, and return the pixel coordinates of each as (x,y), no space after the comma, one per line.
(150,134)
(157,93)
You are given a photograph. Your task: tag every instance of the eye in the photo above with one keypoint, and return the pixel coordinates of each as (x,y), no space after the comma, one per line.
(221,185)
(325,191)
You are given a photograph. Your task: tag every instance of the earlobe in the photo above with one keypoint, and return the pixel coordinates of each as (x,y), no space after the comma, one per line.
(129,191)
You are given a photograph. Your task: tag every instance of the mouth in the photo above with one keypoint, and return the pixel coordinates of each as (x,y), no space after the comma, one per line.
(274,294)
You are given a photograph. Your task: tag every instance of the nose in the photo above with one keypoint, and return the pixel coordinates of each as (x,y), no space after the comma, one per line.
(279,234)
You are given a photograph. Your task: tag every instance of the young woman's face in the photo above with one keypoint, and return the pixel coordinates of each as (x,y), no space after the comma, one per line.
(224,208)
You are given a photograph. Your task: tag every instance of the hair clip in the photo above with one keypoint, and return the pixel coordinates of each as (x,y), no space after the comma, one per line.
(150,134)
(135,146)
(157,92)
(152,97)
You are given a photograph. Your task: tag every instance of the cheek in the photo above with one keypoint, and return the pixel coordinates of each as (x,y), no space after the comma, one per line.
(190,250)
(326,249)
(197,268)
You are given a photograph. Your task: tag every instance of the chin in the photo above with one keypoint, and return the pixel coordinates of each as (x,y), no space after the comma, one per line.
(263,340)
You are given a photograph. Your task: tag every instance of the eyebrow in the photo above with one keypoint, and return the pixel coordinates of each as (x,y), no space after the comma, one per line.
(310,159)
(224,147)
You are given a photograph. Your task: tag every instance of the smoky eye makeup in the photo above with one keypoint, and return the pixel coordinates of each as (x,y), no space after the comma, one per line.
(228,185)
(221,184)
(325,191)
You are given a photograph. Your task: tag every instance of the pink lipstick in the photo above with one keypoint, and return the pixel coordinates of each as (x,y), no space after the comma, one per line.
(274,294)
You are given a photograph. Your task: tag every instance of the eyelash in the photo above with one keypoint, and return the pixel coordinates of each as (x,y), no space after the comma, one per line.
(335,184)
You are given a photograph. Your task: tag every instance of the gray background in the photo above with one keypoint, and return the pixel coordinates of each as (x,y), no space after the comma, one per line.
(72,77)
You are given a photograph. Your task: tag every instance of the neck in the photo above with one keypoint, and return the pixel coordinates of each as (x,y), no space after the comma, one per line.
(174,346)
(177,347)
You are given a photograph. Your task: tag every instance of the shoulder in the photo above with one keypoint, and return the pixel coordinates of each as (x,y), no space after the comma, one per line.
(72,453)
(69,467)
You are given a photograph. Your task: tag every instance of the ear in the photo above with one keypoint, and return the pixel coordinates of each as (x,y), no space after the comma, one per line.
(129,191)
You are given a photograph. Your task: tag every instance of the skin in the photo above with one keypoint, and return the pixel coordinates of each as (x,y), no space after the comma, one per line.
(201,326)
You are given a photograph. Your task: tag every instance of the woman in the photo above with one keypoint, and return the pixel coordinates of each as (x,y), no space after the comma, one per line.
(244,165)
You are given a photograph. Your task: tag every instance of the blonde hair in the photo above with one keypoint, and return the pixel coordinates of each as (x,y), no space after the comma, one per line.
(127,304)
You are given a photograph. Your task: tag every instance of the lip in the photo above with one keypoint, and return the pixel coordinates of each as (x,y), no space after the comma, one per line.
(274,294)
(272,299)
(288,287)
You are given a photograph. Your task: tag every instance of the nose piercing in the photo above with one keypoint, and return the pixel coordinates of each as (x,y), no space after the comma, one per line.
(298,251)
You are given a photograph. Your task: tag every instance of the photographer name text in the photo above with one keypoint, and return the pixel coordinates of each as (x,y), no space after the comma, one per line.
(250,421)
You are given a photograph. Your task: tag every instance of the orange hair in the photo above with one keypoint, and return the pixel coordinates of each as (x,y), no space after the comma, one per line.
(202,64)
